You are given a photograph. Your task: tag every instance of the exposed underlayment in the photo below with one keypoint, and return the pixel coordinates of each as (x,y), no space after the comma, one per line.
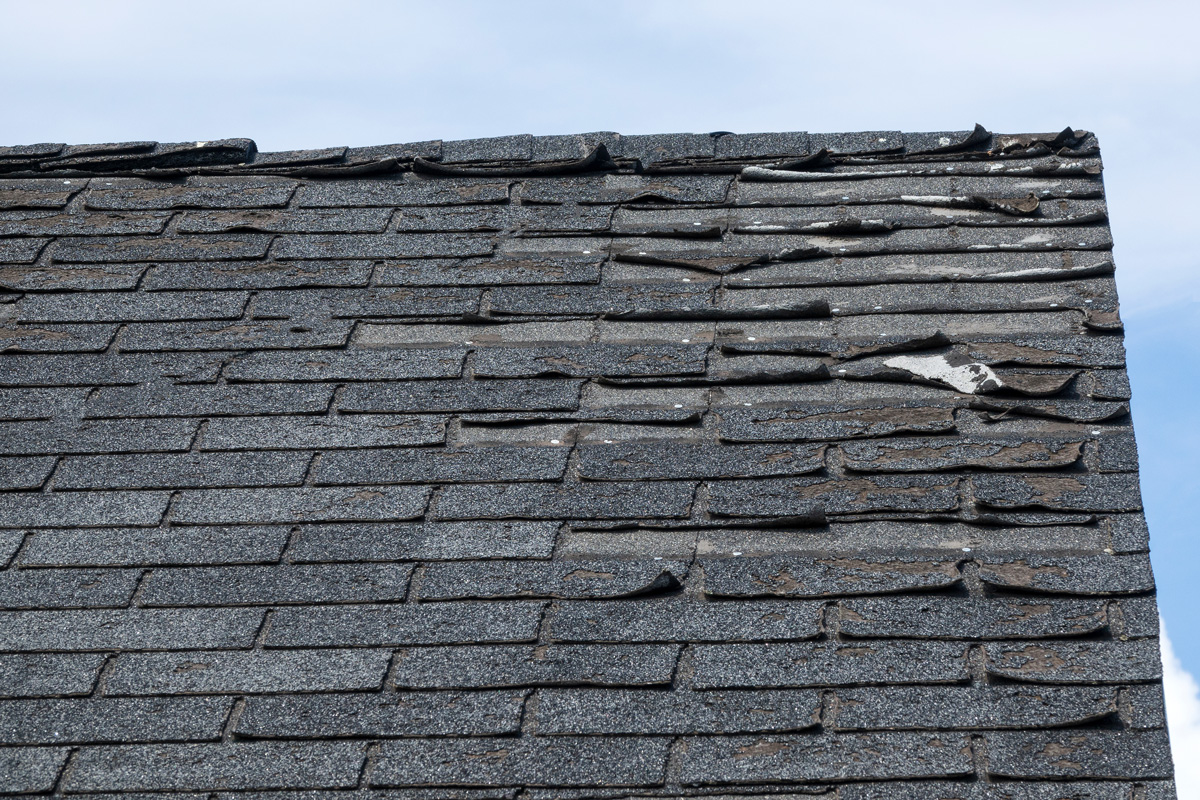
(739,466)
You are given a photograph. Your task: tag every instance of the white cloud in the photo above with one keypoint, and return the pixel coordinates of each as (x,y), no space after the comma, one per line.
(1183,717)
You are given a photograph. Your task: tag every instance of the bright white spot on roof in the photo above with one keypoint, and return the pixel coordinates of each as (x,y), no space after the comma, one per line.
(555,441)
(964,377)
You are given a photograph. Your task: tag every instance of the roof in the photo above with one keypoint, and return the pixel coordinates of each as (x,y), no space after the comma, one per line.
(588,466)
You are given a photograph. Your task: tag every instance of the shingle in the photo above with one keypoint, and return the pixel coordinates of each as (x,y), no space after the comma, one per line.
(354,365)
(228,506)
(53,338)
(969,618)
(677,619)
(182,470)
(1079,754)
(276,585)
(358,303)
(155,547)
(39,192)
(561,761)
(558,579)
(832,575)
(106,369)
(651,712)
(614,188)
(56,510)
(671,460)
(649,148)
(773,759)
(406,624)
(516,333)
(253,672)
(588,360)
(130,306)
(49,674)
(411,191)
(383,715)
(1098,574)
(489,272)
(829,664)
(235,765)
(979,790)
(213,247)
(387,245)
(908,268)
(34,589)
(571,501)
(429,465)
(200,400)
(540,300)
(256,275)
(761,145)
(30,769)
(295,221)
(497,148)
(343,430)
(233,335)
(21,251)
(476,667)
(854,191)
(131,629)
(96,436)
(1139,616)
(196,192)
(932,455)
(819,422)
(71,277)
(524,219)
(417,541)
(1082,492)
(50,223)
(867,141)
(113,720)
(451,396)
(959,708)
(25,472)
(798,496)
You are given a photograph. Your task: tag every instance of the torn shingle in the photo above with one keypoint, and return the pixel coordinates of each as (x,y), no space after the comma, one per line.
(573,467)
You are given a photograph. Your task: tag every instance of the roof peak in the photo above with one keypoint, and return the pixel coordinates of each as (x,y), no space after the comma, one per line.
(524,154)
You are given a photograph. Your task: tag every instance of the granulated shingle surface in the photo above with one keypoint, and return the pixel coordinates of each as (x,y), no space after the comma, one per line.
(590,466)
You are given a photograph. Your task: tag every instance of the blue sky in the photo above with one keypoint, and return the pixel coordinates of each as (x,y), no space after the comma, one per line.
(305,74)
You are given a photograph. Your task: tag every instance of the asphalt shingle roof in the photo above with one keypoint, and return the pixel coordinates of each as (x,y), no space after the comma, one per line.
(589,466)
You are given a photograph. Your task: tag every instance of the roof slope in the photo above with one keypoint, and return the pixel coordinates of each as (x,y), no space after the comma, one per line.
(579,466)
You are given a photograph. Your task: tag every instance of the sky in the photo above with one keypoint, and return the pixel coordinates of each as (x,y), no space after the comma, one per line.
(303,74)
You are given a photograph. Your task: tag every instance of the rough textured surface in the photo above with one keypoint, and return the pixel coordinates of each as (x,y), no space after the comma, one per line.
(773,465)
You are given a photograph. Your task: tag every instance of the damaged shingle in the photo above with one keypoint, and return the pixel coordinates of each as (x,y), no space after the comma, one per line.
(579,467)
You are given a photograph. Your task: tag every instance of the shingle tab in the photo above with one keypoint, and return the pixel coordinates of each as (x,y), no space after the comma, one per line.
(253,672)
(237,765)
(829,664)
(651,712)
(218,507)
(135,629)
(276,585)
(563,761)
(670,620)
(772,759)
(428,623)
(114,720)
(476,667)
(570,467)
(392,715)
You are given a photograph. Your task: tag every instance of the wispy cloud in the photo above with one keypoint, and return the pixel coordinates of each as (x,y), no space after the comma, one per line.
(1183,717)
